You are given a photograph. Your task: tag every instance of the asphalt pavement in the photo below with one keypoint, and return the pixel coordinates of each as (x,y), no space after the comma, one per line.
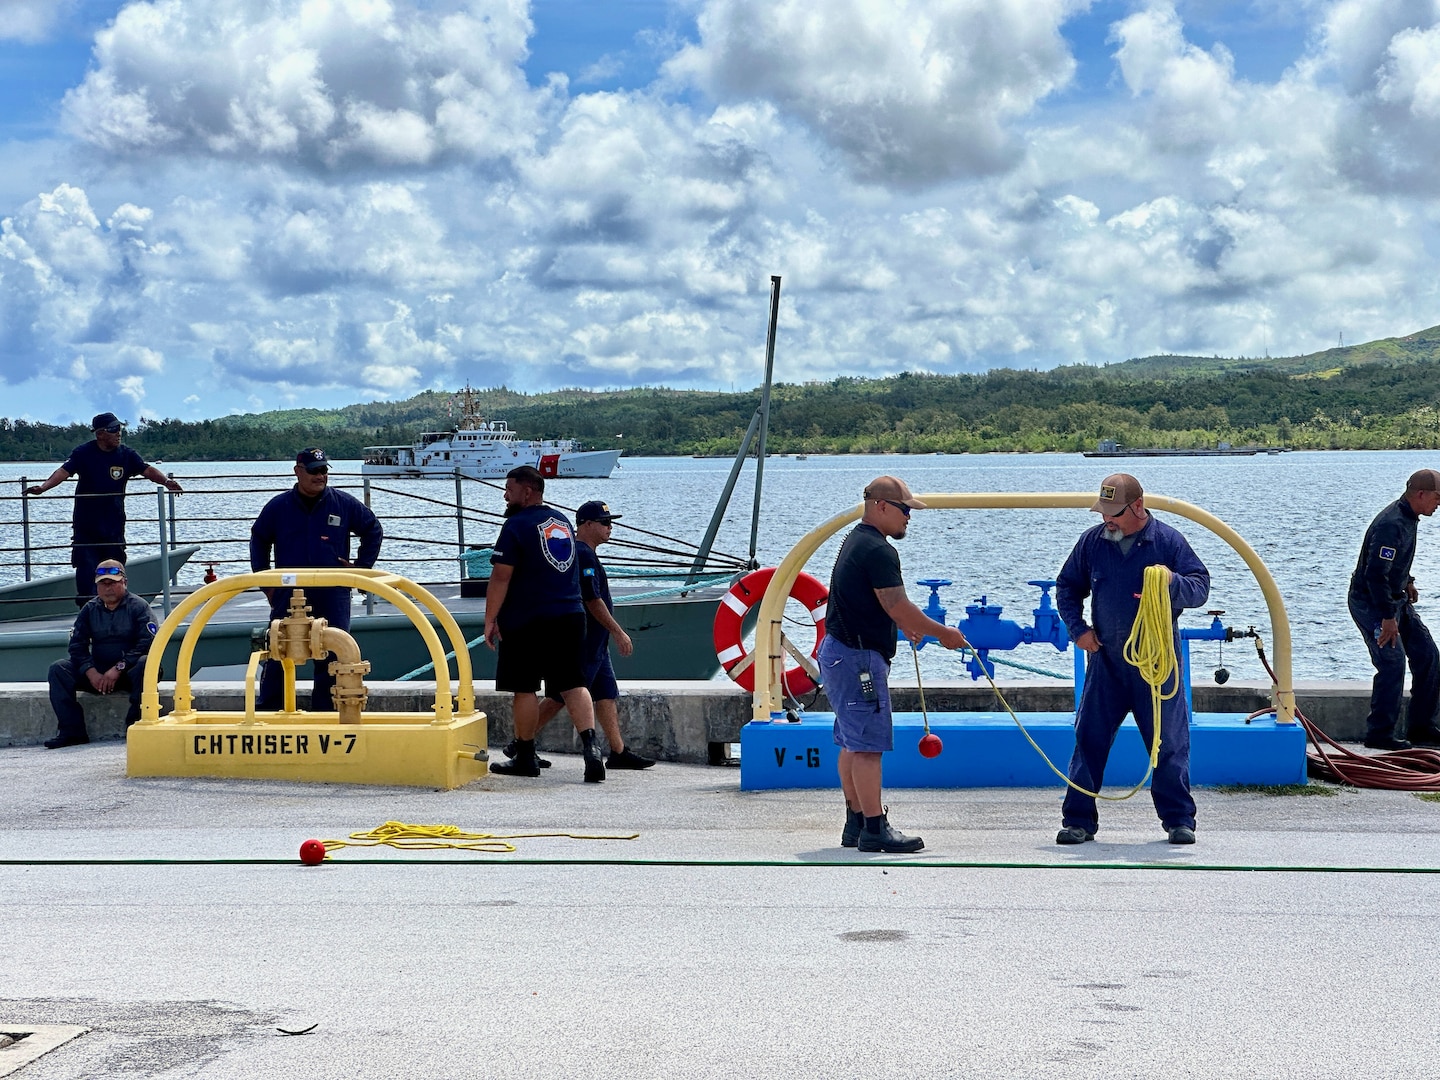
(732,937)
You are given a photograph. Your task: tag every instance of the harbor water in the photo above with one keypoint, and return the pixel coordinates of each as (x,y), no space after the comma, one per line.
(1303,513)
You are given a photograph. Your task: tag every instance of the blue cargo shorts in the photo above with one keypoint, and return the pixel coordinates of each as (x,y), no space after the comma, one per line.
(860,726)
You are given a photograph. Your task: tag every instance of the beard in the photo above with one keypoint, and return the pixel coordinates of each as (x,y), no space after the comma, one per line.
(511,509)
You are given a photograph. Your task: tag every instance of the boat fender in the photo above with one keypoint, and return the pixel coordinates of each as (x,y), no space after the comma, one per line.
(730,615)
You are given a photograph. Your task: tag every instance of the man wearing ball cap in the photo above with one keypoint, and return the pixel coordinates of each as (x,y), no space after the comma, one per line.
(1382,602)
(109,645)
(867,602)
(1108,566)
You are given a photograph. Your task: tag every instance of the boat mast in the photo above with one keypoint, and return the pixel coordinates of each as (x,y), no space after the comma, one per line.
(760,423)
(764,413)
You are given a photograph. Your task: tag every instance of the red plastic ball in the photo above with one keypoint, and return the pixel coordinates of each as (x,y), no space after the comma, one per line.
(312,853)
(930,745)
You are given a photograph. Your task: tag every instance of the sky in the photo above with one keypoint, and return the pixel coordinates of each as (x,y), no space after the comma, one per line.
(221,206)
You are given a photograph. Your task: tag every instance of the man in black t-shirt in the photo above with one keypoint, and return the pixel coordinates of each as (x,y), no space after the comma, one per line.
(593,527)
(867,602)
(535,619)
(104,466)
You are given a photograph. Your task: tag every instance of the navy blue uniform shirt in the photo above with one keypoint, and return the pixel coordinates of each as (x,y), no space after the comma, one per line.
(99,512)
(853,614)
(1383,568)
(1114,580)
(101,636)
(315,536)
(594,585)
(539,544)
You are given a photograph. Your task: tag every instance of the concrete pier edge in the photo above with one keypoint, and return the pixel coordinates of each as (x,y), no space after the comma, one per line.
(694,722)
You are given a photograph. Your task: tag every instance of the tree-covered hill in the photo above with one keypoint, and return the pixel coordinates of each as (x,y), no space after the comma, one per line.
(1382,395)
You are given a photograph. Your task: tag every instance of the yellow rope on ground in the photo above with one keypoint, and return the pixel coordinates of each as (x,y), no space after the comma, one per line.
(1151,649)
(403,837)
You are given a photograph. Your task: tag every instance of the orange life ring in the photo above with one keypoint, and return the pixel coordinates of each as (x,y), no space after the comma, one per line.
(735,604)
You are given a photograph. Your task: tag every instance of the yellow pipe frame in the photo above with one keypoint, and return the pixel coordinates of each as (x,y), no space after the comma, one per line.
(768,648)
(399,591)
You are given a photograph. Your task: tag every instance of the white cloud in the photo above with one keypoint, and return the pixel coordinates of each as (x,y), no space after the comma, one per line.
(908,92)
(328,83)
(32,21)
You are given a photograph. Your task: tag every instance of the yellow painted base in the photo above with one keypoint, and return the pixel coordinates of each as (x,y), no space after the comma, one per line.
(405,749)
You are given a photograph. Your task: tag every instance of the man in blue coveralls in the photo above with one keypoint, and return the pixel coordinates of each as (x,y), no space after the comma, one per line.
(1108,566)
(310,526)
(97,522)
(1382,603)
(535,620)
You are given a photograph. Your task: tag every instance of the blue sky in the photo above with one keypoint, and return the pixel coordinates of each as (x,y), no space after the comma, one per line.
(214,206)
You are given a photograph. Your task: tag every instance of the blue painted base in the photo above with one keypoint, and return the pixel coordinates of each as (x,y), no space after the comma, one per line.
(988,750)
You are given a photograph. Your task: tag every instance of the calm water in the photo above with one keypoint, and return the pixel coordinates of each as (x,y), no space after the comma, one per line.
(1304,513)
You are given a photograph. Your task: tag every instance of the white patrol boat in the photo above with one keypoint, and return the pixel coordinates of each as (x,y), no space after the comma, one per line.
(485,449)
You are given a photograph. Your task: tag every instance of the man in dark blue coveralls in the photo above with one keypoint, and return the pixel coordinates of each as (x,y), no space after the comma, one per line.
(310,526)
(109,645)
(104,465)
(1108,566)
(1382,603)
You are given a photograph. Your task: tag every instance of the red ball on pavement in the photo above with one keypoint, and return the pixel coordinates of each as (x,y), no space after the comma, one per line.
(930,746)
(312,852)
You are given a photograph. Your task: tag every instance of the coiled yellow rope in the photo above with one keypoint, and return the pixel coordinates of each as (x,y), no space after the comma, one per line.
(1151,649)
(403,837)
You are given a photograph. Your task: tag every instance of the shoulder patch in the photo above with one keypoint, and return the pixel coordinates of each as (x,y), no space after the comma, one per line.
(152,628)
(1388,554)
(589,571)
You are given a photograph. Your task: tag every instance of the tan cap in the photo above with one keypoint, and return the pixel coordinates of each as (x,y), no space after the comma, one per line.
(1423,480)
(110,569)
(894,489)
(1117,491)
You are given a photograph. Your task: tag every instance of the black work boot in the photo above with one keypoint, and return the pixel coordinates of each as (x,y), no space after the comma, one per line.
(510,748)
(884,838)
(854,826)
(594,764)
(524,763)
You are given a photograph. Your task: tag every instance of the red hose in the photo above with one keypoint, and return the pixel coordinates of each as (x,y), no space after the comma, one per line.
(1417,769)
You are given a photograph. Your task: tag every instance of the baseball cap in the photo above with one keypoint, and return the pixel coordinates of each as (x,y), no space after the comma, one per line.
(313,459)
(110,569)
(595,510)
(106,420)
(1424,480)
(1117,491)
(893,489)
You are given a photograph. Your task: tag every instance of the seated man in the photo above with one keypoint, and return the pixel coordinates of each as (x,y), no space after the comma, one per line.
(108,647)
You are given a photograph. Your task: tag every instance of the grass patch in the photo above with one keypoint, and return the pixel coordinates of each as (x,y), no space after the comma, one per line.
(1311,789)
(1428,796)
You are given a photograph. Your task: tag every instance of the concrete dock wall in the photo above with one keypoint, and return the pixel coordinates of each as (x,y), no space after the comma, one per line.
(684,721)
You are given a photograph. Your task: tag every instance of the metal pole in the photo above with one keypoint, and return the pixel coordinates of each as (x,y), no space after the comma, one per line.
(173,544)
(460,512)
(164,552)
(369,596)
(703,553)
(25,522)
(764,411)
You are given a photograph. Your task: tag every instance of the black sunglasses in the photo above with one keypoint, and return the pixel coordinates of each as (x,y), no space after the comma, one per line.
(898,506)
(113,429)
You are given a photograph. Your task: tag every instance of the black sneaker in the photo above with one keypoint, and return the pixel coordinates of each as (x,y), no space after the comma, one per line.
(1386,742)
(625,759)
(594,767)
(854,826)
(66,740)
(1073,834)
(1181,834)
(888,840)
(512,745)
(1426,736)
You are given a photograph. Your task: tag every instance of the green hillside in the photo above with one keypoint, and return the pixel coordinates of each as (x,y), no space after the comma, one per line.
(1380,395)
